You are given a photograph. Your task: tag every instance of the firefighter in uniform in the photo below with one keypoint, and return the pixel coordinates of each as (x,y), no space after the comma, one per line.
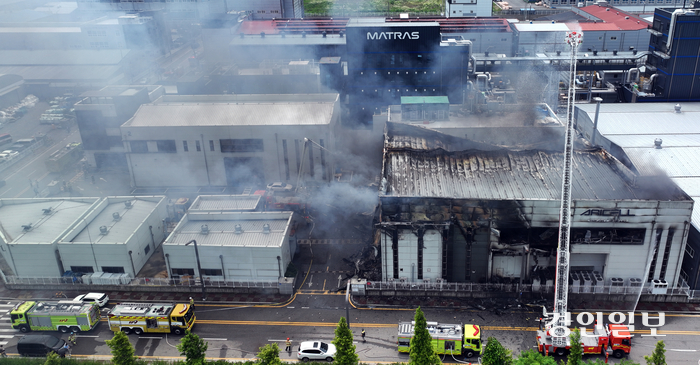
(71,339)
(192,303)
(363,335)
(288,345)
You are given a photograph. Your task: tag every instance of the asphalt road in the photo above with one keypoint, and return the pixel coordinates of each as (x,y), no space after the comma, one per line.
(237,332)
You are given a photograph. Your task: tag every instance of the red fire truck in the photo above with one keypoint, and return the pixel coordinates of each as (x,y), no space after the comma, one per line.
(615,336)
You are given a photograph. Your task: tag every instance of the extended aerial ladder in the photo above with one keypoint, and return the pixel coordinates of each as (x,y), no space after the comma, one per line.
(561,288)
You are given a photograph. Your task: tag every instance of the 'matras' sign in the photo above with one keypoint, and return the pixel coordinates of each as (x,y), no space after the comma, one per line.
(392,35)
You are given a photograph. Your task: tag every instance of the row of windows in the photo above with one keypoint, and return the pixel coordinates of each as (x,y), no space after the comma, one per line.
(99,45)
(226,145)
(97,33)
(89,269)
(271,11)
(206,272)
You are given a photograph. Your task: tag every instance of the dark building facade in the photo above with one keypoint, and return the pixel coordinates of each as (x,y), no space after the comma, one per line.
(673,66)
(388,60)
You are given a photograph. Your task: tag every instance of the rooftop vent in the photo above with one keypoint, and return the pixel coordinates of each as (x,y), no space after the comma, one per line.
(26,227)
(116,216)
(342,34)
(627,17)
(283,34)
(324,34)
(558,53)
(615,52)
(238,229)
(262,34)
(657,143)
(303,34)
(47,211)
(266,228)
(205,229)
(128,204)
(103,230)
(677,108)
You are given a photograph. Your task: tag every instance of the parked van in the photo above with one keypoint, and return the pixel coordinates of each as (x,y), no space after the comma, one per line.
(39,345)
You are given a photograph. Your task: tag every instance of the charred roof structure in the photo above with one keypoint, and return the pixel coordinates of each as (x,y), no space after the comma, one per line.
(461,211)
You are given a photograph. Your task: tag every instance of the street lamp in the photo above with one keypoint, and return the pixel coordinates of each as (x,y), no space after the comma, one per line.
(199,268)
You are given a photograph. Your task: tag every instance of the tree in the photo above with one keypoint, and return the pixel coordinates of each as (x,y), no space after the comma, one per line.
(269,355)
(658,357)
(52,359)
(532,357)
(193,348)
(343,341)
(421,350)
(602,362)
(496,354)
(122,351)
(576,352)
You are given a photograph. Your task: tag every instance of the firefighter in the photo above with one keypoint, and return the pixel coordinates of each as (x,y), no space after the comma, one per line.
(288,345)
(71,339)
(192,303)
(363,335)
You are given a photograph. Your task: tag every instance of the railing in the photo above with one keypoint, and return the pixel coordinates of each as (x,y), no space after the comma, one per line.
(524,288)
(175,282)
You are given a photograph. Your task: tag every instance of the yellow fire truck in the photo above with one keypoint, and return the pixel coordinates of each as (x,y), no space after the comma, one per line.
(451,339)
(151,317)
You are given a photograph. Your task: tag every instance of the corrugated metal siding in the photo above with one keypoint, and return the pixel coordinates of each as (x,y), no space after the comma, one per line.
(121,230)
(501,176)
(46,229)
(673,162)
(221,114)
(221,233)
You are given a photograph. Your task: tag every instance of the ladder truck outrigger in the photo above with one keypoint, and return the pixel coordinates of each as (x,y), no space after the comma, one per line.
(554,337)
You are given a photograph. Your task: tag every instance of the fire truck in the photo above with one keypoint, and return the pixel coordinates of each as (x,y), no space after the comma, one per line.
(451,339)
(615,336)
(151,317)
(64,316)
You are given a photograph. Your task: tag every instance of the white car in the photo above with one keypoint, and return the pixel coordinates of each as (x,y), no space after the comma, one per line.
(316,350)
(10,154)
(279,186)
(100,298)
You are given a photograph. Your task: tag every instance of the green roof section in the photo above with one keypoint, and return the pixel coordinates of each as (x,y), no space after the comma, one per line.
(424,100)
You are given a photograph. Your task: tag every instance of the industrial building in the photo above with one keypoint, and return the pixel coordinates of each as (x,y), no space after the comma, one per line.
(456,210)
(32,228)
(232,140)
(121,232)
(100,113)
(47,237)
(669,73)
(231,246)
(468,8)
(659,141)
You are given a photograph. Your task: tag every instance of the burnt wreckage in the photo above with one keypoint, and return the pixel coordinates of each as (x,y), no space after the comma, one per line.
(461,211)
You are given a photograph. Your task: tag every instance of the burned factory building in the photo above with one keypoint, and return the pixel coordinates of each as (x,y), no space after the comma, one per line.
(455,210)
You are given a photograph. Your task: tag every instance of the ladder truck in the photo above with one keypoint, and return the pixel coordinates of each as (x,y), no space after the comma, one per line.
(554,337)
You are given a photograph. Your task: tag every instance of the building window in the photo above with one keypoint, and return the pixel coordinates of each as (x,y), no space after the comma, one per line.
(138,146)
(184,146)
(684,277)
(667,253)
(82,269)
(147,249)
(113,269)
(180,272)
(211,145)
(613,38)
(241,145)
(689,250)
(212,272)
(504,39)
(166,146)
(196,144)
(657,246)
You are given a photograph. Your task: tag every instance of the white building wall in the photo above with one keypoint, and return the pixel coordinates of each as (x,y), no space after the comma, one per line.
(387,258)
(33,260)
(432,255)
(408,255)
(468,8)
(192,168)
